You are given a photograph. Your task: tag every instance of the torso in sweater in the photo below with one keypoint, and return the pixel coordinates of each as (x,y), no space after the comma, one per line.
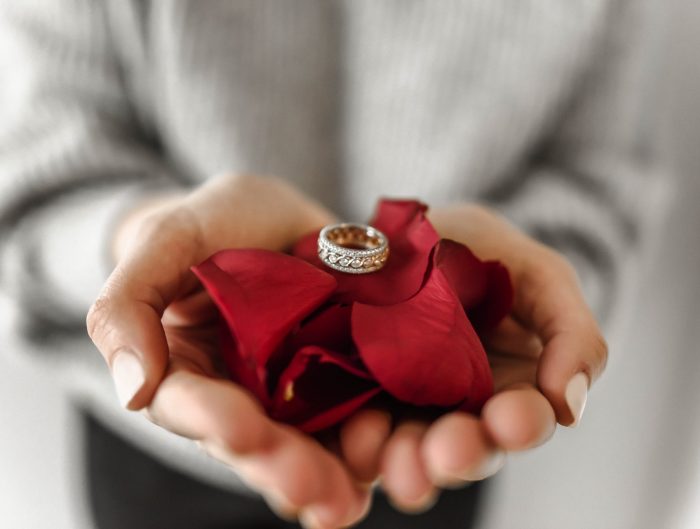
(359,98)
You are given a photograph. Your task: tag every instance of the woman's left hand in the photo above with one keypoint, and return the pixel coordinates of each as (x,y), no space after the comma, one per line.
(544,357)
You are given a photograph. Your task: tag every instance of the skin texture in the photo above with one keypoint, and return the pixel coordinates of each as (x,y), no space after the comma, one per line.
(550,336)
(153,308)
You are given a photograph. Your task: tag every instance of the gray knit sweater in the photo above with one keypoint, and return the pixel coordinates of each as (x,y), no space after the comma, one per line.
(539,108)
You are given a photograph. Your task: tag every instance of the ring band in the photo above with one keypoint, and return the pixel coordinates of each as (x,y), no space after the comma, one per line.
(353,248)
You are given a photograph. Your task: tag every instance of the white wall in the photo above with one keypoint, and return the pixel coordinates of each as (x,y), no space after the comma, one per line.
(37,485)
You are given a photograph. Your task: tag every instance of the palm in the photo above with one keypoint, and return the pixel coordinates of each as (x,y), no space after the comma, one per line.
(154,319)
(513,354)
(195,399)
(190,324)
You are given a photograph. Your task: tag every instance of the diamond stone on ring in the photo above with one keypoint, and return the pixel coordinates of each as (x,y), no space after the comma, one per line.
(353,248)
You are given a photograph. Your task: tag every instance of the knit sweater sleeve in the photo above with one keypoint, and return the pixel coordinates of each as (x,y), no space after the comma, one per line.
(72,156)
(594,187)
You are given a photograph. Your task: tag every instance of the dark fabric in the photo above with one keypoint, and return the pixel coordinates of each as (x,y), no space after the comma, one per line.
(127,489)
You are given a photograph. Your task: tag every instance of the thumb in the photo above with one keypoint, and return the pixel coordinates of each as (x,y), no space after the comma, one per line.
(125,321)
(549,301)
(154,267)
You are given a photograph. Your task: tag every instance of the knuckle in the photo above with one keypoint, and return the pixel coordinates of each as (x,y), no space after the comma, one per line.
(99,316)
(240,439)
(600,352)
(97,320)
(233,443)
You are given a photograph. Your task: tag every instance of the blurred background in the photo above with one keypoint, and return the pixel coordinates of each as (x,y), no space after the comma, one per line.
(633,463)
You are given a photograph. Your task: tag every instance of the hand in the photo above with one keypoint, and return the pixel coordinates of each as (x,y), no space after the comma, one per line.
(155,327)
(543,356)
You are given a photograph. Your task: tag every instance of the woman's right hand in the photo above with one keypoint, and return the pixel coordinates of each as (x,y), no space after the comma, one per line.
(155,327)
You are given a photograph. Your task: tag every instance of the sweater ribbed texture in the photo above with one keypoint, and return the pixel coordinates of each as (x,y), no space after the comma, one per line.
(537,108)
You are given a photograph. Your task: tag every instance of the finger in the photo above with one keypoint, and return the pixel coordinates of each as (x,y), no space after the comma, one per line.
(548,299)
(302,476)
(307,478)
(362,440)
(457,450)
(519,418)
(201,408)
(125,321)
(194,309)
(279,212)
(510,370)
(513,339)
(287,467)
(198,347)
(281,507)
(404,476)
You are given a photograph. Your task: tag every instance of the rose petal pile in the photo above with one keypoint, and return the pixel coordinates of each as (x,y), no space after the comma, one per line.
(314,345)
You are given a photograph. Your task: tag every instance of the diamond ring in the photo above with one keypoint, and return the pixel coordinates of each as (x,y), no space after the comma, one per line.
(353,248)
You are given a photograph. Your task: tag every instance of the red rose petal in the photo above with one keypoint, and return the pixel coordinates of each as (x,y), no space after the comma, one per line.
(262,295)
(393,217)
(424,351)
(498,300)
(411,239)
(320,388)
(306,248)
(483,287)
(464,270)
(338,413)
(330,329)
(242,371)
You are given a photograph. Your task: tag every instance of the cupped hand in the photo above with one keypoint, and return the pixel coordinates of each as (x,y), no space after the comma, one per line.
(155,327)
(544,357)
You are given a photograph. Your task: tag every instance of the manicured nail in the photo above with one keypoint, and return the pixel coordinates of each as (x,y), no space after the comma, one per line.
(422,504)
(281,507)
(576,394)
(312,518)
(128,376)
(493,463)
(488,468)
(320,516)
(426,503)
(370,485)
(308,520)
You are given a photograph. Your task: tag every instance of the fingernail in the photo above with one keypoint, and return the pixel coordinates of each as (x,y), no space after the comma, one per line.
(366,507)
(422,504)
(370,485)
(308,520)
(426,503)
(492,464)
(281,507)
(488,468)
(128,376)
(319,516)
(576,394)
